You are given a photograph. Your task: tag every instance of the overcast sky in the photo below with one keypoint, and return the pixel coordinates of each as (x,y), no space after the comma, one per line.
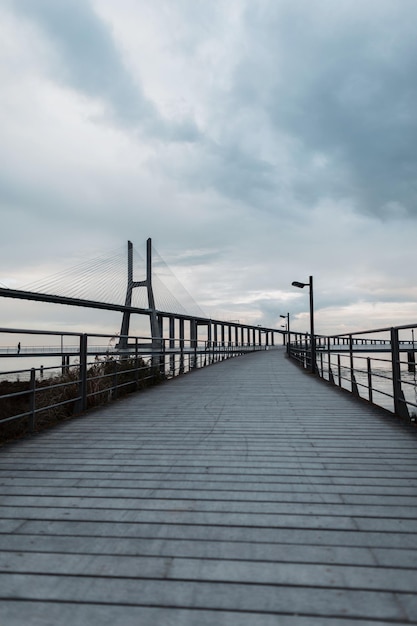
(256,141)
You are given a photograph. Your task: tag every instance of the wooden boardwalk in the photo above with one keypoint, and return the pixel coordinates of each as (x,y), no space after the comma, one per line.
(244,494)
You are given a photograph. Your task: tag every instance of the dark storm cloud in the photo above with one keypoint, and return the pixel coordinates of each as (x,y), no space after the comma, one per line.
(343,84)
(238,174)
(89,61)
(331,87)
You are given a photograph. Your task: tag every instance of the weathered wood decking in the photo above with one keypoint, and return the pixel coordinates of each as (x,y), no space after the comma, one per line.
(247,493)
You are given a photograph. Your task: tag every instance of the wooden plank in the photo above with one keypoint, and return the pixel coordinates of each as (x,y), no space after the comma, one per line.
(329,494)
(212,549)
(211,505)
(212,570)
(171,530)
(209,595)
(39,614)
(186,516)
(240,550)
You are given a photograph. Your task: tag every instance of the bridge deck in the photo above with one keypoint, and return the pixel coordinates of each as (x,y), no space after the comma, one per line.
(247,493)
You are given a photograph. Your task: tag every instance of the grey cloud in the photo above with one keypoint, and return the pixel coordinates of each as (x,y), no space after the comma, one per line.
(89,61)
(344,88)
(240,175)
(229,169)
(194,258)
(371,141)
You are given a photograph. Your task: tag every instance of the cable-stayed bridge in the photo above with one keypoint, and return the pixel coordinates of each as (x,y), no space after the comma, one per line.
(135,285)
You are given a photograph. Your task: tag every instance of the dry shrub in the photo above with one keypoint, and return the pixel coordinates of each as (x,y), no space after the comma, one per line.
(57,395)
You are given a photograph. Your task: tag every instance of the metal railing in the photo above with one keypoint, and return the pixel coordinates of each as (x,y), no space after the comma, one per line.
(86,370)
(377,365)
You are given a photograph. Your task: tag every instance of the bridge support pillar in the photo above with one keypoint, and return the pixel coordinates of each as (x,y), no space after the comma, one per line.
(209,342)
(172,344)
(215,340)
(400,405)
(193,341)
(181,346)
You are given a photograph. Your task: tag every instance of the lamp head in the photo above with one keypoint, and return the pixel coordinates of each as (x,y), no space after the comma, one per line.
(296,283)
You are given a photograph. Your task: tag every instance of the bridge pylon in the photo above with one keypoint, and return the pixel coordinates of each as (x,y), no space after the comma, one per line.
(156,331)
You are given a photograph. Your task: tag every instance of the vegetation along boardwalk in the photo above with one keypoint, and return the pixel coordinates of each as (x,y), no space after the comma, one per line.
(246,493)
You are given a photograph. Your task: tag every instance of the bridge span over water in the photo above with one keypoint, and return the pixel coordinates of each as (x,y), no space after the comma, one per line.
(245,493)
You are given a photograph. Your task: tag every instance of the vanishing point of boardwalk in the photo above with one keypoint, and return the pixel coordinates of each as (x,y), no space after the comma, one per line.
(247,493)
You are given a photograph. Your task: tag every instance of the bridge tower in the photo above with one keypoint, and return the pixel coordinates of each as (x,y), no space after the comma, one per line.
(131,284)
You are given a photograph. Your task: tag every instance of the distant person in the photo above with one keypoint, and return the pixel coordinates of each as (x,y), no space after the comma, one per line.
(18,348)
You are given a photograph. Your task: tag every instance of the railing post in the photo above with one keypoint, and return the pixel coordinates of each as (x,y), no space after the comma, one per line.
(136,364)
(354,386)
(162,356)
(400,406)
(193,341)
(115,391)
(32,388)
(339,370)
(306,361)
(82,405)
(209,343)
(172,344)
(369,369)
(329,362)
(214,342)
(181,324)
(157,342)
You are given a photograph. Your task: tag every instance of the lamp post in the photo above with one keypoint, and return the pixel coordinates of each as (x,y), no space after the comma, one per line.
(287,328)
(312,337)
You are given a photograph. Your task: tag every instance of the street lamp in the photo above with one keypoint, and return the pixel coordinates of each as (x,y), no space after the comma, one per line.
(296,283)
(287,328)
